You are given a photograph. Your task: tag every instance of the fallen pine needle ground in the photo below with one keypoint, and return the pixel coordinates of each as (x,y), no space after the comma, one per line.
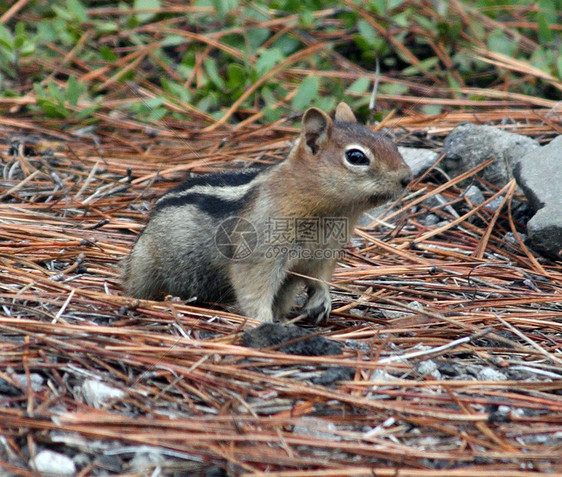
(451,335)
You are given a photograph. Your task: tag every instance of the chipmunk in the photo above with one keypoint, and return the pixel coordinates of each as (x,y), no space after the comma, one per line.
(256,236)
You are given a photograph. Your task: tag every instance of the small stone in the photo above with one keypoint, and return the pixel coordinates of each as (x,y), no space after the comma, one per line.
(147,458)
(435,200)
(539,174)
(446,368)
(415,306)
(318,428)
(430,220)
(419,160)
(474,194)
(509,237)
(51,463)
(428,367)
(81,459)
(382,375)
(333,374)
(36,381)
(496,203)
(97,394)
(490,374)
(468,145)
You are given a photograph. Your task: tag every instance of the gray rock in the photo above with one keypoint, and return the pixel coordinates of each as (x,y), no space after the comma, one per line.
(496,203)
(428,367)
(147,458)
(317,428)
(419,160)
(333,374)
(36,381)
(51,463)
(415,306)
(509,237)
(490,374)
(437,201)
(474,194)
(96,393)
(539,174)
(430,220)
(469,145)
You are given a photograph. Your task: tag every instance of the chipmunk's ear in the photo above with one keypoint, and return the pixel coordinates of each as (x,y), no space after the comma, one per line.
(344,113)
(316,126)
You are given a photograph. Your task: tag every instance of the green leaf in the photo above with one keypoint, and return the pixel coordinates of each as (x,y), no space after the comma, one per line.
(267,60)
(6,38)
(236,76)
(367,32)
(77,10)
(37,88)
(106,27)
(377,6)
(306,93)
(224,7)
(107,53)
(422,67)
(27,49)
(62,14)
(287,44)
(498,42)
(271,115)
(559,66)
(52,109)
(21,36)
(55,92)
(173,40)
(73,91)
(256,37)
(176,90)
(268,96)
(453,83)
(143,17)
(549,11)
(210,67)
(392,4)
(545,34)
(153,103)
(86,112)
(396,88)
(157,114)
(326,103)
(432,108)
(359,86)
(306,18)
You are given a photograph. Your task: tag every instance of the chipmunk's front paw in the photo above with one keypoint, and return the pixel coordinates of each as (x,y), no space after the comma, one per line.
(318,308)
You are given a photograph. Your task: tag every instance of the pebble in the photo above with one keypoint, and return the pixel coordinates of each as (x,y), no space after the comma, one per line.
(97,394)
(49,463)
(474,194)
(490,374)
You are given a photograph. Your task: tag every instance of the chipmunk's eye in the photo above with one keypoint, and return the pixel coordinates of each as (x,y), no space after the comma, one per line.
(356,157)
